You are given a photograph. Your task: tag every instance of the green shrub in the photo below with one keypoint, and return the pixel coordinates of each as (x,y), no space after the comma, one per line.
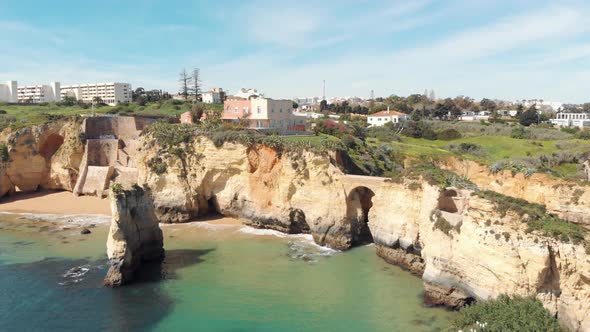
(117,189)
(157,165)
(520,133)
(384,134)
(466,148)
(584,134)
(4,156)
(506,314)
(537,218)
(448,134)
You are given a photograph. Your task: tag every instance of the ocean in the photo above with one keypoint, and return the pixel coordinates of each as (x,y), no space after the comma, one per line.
(216,277)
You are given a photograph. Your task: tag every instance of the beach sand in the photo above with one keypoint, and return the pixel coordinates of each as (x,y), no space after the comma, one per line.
(52,202)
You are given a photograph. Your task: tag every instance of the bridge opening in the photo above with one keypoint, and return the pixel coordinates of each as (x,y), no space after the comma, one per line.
(358,204)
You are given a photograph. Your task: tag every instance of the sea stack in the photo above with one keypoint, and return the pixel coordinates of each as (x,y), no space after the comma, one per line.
(134,237)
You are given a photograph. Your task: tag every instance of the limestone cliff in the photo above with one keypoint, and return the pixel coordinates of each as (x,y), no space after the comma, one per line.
(134,236)
(46,156)
(461,245)
(568,200)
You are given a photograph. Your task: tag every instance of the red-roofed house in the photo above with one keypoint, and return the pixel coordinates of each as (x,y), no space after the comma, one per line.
(383,117)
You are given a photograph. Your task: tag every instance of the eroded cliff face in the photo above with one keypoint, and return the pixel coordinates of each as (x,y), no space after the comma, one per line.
(460,244)
(466,250)
(568,200)
(290,193)
(134,237)
(46,156)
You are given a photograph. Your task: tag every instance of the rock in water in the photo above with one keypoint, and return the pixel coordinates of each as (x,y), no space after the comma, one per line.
(135,235)
(85,231)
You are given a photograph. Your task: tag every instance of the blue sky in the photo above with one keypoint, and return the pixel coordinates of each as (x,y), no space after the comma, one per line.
(498,49)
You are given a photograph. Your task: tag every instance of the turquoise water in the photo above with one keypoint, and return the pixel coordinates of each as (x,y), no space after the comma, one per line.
(215,278)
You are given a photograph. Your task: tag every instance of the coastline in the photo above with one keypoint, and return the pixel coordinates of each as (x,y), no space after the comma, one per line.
(55,202)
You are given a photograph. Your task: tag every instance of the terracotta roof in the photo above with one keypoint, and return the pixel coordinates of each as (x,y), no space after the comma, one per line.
(386,113)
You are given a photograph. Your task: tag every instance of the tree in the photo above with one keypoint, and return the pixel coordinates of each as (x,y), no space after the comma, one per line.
(463,102)
(323,105)
(295,105)
(141,100)
(98,100)
(137,93)
(446,108)
(489,106)
(529,116)
(185,82)
(196,83)
(519,110)
(197,112)
(69,101)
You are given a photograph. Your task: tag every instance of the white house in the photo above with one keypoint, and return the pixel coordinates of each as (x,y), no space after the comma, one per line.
(580,120)
(383,117)
(214,96)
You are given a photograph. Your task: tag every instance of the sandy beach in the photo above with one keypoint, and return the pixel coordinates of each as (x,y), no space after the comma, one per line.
(61,202)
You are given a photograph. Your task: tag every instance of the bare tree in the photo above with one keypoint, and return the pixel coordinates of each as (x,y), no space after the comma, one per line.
(185,82)
(196,83)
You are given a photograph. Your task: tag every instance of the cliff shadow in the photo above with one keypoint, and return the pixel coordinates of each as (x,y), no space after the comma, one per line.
(358,204)
(151,272)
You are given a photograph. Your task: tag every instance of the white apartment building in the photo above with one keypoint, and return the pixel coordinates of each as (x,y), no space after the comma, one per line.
(383,117)
(110,93)
(214,96)
(39,93)
(580,120)
(9,92)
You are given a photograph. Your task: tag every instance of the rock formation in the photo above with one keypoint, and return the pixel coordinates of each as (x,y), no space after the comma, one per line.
(568,200)
(45,156)
(134,236)
(460,244)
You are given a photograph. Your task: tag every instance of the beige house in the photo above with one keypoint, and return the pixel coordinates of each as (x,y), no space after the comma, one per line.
(263,113)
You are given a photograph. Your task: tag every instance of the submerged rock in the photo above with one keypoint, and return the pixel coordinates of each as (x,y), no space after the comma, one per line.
(134,236)
(85,231)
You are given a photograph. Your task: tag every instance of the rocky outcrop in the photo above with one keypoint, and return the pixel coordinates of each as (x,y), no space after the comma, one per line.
(46,156)
(134,236)
(469,250)
(461,245)
(287,192)
(568,200)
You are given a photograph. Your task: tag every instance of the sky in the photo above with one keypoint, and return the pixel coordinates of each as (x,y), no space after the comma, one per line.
(499,49)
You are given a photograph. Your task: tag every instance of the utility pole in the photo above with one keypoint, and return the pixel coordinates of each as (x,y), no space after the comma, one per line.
(324,93)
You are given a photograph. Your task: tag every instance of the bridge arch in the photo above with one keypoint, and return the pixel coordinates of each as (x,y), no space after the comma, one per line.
(358,203)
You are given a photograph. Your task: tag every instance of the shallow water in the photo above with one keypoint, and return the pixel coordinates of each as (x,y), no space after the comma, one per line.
(215,278)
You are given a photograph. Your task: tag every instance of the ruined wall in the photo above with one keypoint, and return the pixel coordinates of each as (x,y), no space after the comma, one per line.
(123,127)
(111,148)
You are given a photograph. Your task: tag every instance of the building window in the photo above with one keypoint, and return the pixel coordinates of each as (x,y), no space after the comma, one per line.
(259,109)
(228,109)
(236,109)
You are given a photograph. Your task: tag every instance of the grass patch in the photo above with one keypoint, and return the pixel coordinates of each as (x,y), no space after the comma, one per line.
(537,218)
(506,314)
